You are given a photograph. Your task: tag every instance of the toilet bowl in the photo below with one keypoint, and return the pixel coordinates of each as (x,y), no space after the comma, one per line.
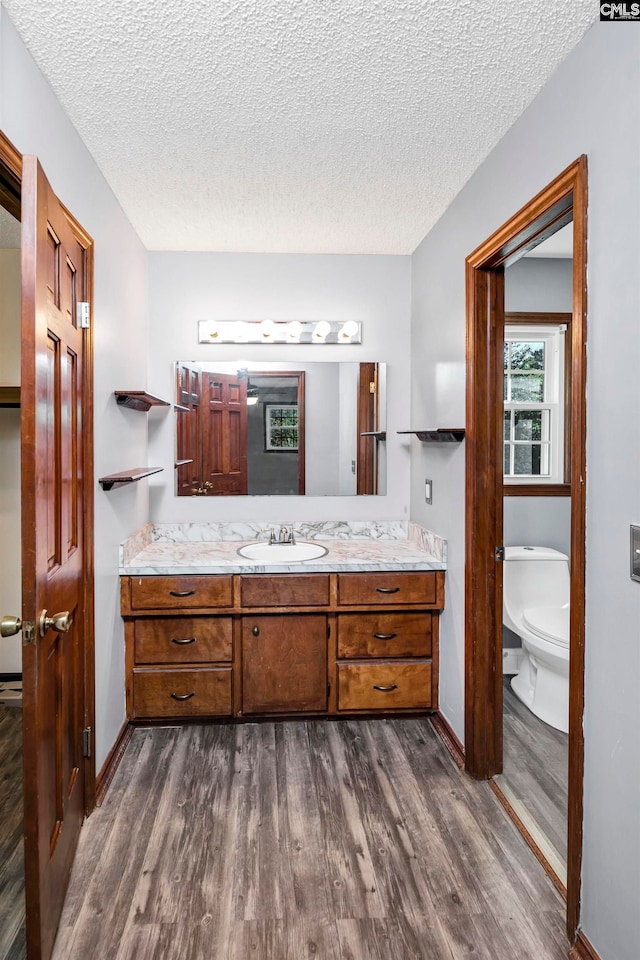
(536,607)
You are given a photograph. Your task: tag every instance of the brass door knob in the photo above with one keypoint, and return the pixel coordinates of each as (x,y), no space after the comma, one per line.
(60,622)
(10,626)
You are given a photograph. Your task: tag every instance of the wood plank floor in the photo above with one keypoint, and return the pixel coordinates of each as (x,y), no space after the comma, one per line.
(536,768)
(352,840)
(12,938)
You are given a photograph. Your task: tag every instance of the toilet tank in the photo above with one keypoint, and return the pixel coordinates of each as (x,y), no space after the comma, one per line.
(533,577)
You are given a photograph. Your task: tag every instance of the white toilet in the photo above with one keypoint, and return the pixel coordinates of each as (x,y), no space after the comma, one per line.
(536,591)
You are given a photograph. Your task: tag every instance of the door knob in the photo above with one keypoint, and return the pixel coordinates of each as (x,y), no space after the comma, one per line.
(10,626)
(60,622)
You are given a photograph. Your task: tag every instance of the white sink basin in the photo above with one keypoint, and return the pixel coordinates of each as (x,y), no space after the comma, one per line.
(282,552)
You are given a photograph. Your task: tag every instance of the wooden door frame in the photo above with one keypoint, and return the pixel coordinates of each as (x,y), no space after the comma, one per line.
(562,200)
(10,199)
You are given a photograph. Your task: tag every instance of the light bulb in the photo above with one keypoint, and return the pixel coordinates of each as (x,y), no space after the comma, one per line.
(294,330)
(322,330)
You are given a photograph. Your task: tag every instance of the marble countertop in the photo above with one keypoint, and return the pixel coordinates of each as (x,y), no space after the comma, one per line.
(198,548)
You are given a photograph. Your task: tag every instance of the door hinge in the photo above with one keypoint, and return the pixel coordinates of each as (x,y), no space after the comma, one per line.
(499,553)
(82,314)
(328,689)
(86,742)
(28,632)
(372,386)
(328,630)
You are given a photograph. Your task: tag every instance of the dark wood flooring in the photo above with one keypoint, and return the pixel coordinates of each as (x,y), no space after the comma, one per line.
(12,938)
(352,840)
(535,768)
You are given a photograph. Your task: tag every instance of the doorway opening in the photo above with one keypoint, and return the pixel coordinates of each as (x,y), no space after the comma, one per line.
(47,360)
(562,201)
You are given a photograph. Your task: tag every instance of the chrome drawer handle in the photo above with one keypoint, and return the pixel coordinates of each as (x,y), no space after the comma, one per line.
(392,686)
(183,643)
(183,696)
(385,636)
(387,589)
(181,593)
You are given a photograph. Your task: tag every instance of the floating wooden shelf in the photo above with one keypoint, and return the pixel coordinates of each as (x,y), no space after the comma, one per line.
(179,406)
(441,435)
(127,476)
(138,400)
(9,396)
(181,463)
(378,434)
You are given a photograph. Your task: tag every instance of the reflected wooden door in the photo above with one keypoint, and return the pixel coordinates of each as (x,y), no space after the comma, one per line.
(224,434)
(367,455)
(55,567)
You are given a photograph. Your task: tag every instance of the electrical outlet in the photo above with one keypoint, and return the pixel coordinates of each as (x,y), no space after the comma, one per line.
(635,552)
(428,491)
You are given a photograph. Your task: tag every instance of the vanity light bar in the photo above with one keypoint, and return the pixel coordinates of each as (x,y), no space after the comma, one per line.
(280,331)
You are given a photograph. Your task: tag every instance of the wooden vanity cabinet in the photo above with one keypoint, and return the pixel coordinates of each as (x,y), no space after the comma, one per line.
(265,645)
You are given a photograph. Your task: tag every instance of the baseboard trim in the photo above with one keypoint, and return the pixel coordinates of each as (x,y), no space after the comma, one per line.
(447,735)
(111,764)
(536,850)
(582,949)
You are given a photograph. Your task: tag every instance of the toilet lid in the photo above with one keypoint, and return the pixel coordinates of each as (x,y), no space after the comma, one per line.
(550,623)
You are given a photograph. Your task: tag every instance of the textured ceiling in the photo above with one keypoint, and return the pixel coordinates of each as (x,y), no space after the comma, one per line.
(335,126)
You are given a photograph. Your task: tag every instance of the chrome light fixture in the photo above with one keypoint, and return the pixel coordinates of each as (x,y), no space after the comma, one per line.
(280,331)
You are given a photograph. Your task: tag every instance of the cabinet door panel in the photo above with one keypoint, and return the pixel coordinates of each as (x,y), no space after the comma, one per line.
(384,686)
(183,639)
(284,664)
(384,634)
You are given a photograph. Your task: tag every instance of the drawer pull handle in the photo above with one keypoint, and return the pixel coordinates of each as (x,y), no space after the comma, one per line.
(183,696)
(181,593)
(256,631)
(183,643)
(387,589)
(392,686)
(385,636)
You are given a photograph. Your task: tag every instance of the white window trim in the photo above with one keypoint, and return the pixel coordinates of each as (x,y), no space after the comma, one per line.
(553,398)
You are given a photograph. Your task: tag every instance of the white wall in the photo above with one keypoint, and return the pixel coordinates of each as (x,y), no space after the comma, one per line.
(589,106)
(187,287)
(32,118)
(542,284)
(540,521)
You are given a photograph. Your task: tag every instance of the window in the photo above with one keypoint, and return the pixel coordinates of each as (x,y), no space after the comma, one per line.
(534,404)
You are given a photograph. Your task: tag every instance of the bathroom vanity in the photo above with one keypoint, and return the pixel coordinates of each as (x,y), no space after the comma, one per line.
(209,634)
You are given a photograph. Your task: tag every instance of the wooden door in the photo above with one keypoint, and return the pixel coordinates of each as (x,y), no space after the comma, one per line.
(224,434)
(367,455)
(188,446)
(284,663)
(56,459)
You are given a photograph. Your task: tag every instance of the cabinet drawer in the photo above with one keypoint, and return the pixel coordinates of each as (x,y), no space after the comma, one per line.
(180,593)
(308,590)
(404,686)
(384,635)
(388,588)
(182,639)
(157,693)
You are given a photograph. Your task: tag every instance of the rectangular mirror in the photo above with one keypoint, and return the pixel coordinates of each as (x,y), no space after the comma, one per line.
(280,428)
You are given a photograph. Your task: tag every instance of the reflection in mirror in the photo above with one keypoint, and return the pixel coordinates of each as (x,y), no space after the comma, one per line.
(279,428)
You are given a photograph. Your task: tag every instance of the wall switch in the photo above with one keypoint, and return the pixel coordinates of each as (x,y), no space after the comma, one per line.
(428,491)
(635,552)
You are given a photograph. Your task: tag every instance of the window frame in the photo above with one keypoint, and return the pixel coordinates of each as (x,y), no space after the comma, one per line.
(529,486)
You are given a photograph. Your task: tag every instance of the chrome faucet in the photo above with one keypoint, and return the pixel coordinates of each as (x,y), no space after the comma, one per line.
(284,536)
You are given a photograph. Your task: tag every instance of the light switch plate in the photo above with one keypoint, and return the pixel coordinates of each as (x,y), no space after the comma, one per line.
(635,552)
(428,491)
